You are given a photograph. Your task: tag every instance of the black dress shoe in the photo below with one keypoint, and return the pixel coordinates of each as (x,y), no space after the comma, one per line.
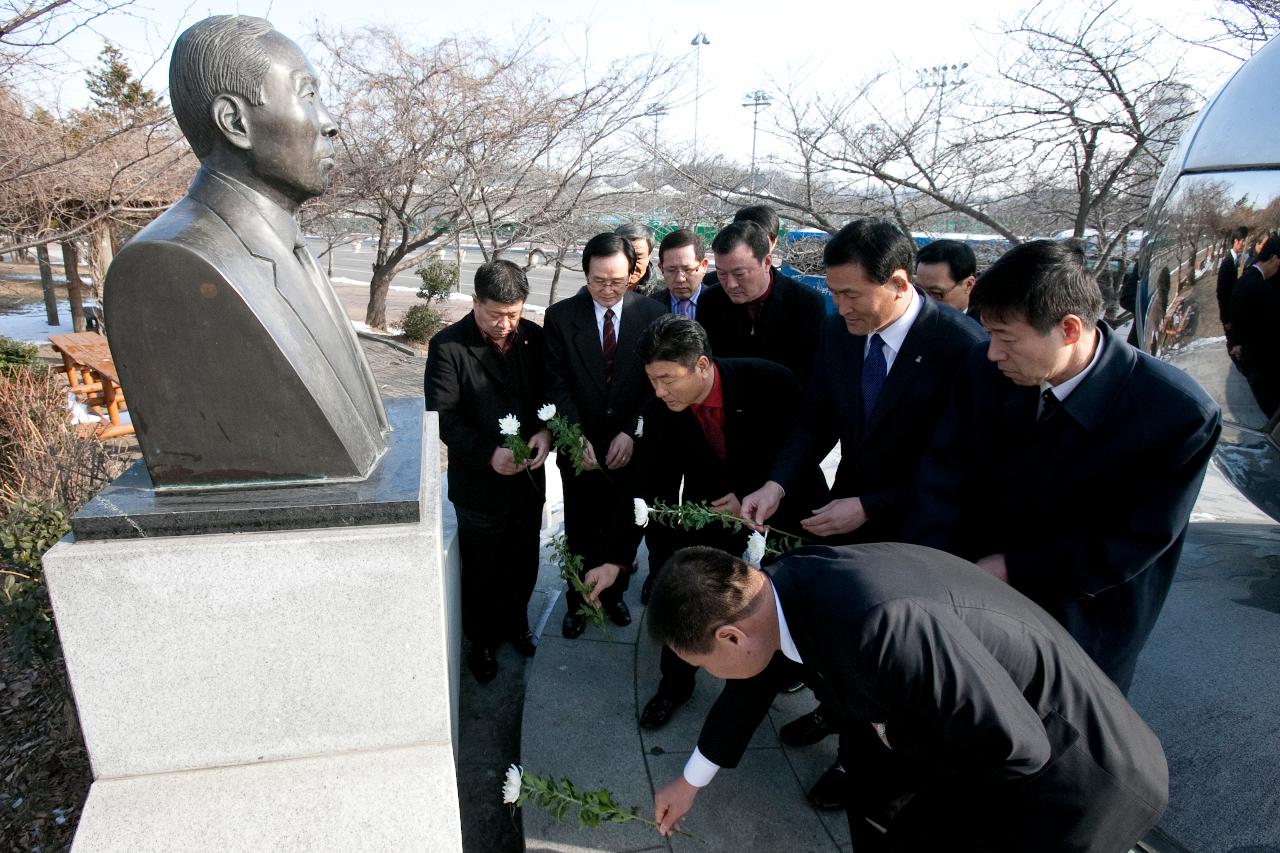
(657,712)
(831,791)
(573,626)
(806,730)
(526,644)
(618,613)
(484,666)
(646,588)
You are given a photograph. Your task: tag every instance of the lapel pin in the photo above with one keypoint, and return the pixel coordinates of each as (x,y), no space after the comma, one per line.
(918,358)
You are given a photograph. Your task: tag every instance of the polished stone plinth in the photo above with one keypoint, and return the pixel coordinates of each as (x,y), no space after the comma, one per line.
(132,507)
(233,687)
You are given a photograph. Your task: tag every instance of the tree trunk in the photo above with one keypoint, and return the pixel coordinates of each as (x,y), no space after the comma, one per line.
(75,287)
(100,254)
(375,316)
(46,281)
(555,276)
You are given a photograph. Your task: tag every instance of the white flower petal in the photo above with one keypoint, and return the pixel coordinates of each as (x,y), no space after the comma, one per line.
(510,425)
(755,549)
(547,412)
(511,784)
(642,512)
(639,427)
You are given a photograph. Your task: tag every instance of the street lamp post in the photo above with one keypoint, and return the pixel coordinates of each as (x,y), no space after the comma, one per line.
(935,77)
(755,101)
(699,39)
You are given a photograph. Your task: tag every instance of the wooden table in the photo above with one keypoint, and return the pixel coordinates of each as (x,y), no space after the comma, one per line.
(91,374)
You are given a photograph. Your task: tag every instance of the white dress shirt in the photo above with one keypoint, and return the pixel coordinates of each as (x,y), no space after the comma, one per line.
(699,770)
(617,319)
(893,335)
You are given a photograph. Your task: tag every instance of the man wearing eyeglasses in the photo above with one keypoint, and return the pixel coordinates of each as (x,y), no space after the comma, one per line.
(598,382)
(683,263)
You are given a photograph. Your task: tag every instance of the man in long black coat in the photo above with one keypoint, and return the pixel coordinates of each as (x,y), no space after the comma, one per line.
(597,382)
(978,722)
(1228,274)
(1255,309)
(1068,462)
(488,365)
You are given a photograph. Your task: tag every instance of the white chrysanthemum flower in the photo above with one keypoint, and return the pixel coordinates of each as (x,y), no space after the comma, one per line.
(755,549)
(511,784)
(547,412)
(639,427)
(510,425)
(642,512)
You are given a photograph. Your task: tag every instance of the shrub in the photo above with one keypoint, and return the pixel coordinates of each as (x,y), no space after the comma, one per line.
(29,530)
(16,354)
(421,322)
(439,279)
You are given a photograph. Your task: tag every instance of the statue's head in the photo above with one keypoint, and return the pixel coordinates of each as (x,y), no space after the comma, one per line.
(246,98)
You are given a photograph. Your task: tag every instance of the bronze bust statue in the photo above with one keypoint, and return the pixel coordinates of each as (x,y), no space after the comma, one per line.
(238,363)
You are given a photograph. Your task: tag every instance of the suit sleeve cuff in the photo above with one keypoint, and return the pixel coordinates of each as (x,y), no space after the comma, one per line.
(699,770)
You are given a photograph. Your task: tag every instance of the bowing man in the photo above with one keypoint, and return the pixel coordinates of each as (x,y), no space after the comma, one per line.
(977,722)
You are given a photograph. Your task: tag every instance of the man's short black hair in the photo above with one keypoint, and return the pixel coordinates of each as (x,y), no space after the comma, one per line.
(635,231)
(673,337)
(736,233)
(680,238)
(956,255)
(763,215)
(1270,248)
(1040,282)
(1240,232)
(876,245)
(698,590)
(501,281)
(606,246)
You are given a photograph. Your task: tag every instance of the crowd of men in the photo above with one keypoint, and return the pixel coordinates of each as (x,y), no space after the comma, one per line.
(1014,487)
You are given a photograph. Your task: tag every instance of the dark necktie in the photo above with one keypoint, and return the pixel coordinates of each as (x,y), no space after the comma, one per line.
(874,371)
(610,344)
(1049,405)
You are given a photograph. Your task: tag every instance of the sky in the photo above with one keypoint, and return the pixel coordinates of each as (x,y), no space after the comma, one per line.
(814,46)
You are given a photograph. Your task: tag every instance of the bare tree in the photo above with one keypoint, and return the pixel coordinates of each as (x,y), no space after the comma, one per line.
(500,144)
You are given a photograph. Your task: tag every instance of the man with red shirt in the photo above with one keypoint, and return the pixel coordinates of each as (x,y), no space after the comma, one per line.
(716,424)
(757,312)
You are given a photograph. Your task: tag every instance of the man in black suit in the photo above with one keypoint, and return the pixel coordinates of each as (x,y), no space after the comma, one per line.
(977,722)
(597,381)
(683,262)
(757,312)
(1228,273)
(884,373)
(715,424)
(1255,312)
(488,365)
(1068,462)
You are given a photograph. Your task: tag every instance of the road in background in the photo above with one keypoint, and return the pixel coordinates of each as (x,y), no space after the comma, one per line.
(352,264)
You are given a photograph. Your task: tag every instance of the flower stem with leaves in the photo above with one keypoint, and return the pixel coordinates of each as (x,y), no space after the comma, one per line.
(558,797)
(571,571)
(695,515)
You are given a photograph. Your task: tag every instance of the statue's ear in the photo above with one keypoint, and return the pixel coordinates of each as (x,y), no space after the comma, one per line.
(231,118)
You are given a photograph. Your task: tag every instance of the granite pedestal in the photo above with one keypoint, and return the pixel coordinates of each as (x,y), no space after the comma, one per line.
(274,689)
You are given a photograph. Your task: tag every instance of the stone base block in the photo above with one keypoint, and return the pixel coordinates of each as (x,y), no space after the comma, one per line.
(394,799)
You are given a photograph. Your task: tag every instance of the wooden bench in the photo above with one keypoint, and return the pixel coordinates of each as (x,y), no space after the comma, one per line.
(91,376)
